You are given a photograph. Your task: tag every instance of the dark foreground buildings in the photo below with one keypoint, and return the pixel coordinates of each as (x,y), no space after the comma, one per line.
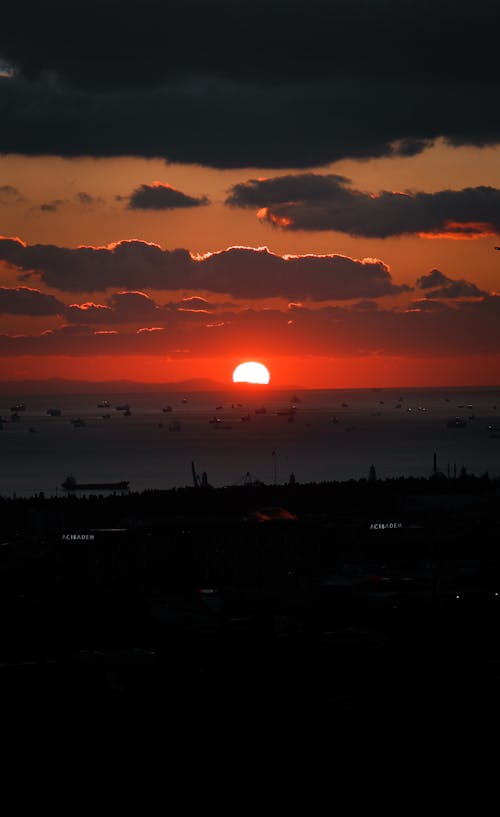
(274,609)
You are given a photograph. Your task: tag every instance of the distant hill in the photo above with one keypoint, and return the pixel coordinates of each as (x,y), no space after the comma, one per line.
(62,386)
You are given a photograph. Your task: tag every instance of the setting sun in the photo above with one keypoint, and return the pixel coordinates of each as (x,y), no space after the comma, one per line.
(251,372)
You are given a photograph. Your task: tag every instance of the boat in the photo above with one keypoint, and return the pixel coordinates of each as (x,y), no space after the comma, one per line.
(70,484)
(289,413)
(167,409)
(77,422)
(127,413)
(174,426)
(54,412)
(18,407)
(124,407)
(456,422)
(103,404)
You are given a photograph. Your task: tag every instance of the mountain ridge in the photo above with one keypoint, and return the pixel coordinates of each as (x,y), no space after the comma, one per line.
(57,385)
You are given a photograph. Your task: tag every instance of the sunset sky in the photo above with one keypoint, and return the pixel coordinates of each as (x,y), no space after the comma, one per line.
(313,185)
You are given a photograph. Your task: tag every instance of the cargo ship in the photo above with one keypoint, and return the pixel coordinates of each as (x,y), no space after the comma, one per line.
(70,484)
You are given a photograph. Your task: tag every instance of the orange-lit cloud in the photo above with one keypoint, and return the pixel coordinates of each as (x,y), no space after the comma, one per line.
(310,201)
(462,231)
(423,329)
(238,271)
(150,329)
(265,214)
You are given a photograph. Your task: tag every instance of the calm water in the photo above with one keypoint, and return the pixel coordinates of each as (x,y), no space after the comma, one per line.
(141,448)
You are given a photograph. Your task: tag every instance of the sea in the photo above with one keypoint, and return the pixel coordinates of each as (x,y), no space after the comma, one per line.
(235,437)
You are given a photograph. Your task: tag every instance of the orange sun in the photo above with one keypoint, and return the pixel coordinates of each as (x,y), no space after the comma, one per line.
(251,372)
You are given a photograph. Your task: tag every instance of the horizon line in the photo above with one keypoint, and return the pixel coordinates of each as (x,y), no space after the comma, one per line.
(206,384)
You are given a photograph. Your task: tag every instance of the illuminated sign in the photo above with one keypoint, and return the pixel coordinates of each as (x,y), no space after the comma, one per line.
(79,537)
(385,525)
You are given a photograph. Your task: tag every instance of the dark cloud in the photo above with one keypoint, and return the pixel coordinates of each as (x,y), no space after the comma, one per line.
(432,280)
(122,307)
(440,286)
(248,84)
(212,122)
(51,206)
(27,301)
(459,289)
(87,200)
(142,44)
(250,273)
(365,305)
(9,194)
(313,202)
(88,269)
(427,305)
(67,330)
(465,329)
(279,190)
(162,197)
(137,307)
(223,124)
(238,271)
(132,303)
